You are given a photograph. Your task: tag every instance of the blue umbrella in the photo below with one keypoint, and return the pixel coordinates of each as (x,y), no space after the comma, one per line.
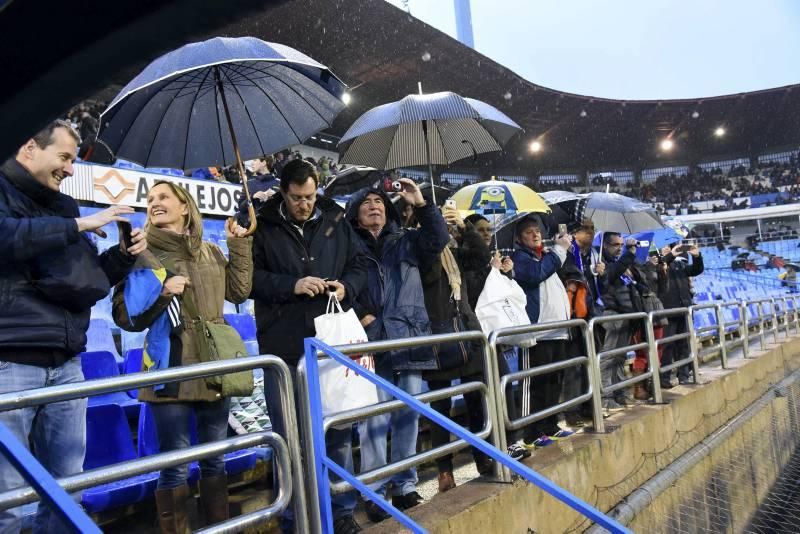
(179,110)
(612,212)
(219,101)
(426,129)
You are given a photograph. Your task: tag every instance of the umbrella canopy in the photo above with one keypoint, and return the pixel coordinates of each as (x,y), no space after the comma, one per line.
(428,129)
(352,179)
(612,212)
(496,197)
(180,110)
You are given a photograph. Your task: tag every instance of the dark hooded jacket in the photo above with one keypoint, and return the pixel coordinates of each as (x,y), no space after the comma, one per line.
(393,293)
(327,248)
(51,274)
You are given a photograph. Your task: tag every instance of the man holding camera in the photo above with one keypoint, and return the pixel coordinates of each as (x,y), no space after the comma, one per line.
(679,295)
(302,250)
(50,277)
(392,306)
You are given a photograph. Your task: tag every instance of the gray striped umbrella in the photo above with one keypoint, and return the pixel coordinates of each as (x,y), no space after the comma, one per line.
(427,129)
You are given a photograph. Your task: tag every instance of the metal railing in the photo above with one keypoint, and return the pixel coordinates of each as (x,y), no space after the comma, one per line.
(288,452)
(304,487)
(585,361)
(491,428)
(324,464)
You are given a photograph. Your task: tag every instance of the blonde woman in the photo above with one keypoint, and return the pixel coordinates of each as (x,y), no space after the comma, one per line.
(182,271)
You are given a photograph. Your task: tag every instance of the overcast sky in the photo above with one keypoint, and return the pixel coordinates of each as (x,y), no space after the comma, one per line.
(635,49)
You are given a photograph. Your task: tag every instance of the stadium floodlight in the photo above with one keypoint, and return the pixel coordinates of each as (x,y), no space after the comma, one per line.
(720,131)
(667,145)
(346,98)
(535,147)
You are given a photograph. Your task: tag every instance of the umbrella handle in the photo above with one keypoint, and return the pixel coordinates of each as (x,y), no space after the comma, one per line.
(251,212)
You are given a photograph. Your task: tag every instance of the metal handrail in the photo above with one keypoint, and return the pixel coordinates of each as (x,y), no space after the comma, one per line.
(324,464)
(496,337)
(156,462)
(35,397)
(304,394)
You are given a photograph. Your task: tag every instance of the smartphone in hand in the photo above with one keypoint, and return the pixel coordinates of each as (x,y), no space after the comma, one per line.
(125,240)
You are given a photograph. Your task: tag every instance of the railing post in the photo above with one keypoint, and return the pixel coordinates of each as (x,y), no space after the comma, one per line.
(761,331)
(498,433)
(309,458)
(723,345)
(744,329)
(693,344)
(652,357)
(597,390)
(774,328)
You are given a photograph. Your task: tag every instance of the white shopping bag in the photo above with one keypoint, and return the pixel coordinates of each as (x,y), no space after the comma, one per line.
(341,388)
(501,304)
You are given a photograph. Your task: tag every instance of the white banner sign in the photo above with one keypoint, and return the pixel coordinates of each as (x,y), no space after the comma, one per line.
(109,185)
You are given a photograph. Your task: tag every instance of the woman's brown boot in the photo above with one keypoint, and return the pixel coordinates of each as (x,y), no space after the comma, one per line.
(171,508)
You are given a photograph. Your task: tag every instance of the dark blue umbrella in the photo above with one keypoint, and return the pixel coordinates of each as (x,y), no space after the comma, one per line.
(180,110)
(426,129)
(219,101)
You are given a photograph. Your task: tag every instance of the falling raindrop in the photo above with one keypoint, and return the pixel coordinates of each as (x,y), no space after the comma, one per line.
(507,95)
(426,56)
(695,114)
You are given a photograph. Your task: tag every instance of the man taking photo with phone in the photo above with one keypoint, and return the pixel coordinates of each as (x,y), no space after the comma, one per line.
(683,261)
(50,277)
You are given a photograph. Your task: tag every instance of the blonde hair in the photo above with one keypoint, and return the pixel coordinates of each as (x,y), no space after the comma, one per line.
(194,221)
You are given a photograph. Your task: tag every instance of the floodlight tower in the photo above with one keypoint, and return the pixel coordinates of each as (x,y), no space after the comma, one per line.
(464,22)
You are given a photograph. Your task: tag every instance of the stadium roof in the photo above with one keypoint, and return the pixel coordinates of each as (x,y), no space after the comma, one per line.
(381,53)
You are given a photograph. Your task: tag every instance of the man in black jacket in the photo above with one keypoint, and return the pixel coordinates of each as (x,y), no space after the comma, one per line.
(679,296)
(50,277)
(303,248)
(617,293)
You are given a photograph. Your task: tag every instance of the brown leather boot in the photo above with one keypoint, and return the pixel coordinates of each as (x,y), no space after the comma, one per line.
(214,498)
(171,508)
(446,481)
(639,390)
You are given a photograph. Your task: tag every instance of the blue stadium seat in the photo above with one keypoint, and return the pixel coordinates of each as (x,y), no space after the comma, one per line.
(109,441)
(101,364)
(99,337)
(133,364)
(132,340)
(245,324)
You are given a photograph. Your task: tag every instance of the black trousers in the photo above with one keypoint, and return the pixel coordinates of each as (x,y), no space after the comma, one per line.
(545,390)
(475,418)
(677,350)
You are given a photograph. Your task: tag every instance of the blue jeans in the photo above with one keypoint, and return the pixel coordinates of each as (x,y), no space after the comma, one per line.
(57,431)
(172,422)
(404,425)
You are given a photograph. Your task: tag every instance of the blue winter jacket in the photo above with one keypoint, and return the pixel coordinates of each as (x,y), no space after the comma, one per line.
(394,292)
(50,274)
(530,271)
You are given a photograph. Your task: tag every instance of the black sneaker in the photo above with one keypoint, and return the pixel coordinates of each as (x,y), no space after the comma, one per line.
(345,525)
(375,513)
(409,500)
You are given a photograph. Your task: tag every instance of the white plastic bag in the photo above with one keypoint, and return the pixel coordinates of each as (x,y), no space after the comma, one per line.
(341,388)
(501,305)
